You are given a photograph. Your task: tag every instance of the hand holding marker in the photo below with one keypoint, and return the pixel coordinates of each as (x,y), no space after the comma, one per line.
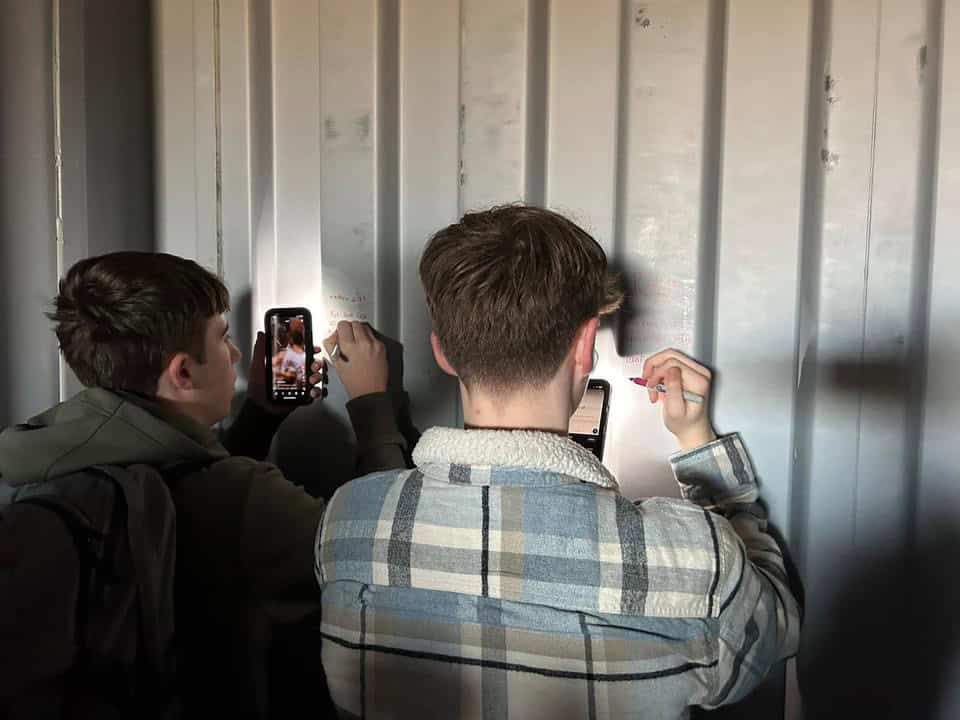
(682,385)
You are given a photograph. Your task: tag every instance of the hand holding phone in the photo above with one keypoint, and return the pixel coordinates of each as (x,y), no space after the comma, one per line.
(588,424)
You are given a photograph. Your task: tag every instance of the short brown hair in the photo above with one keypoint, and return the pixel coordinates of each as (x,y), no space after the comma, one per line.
(507,289)
(120,317)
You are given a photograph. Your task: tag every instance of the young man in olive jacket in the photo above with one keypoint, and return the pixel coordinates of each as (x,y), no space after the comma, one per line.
(146,334)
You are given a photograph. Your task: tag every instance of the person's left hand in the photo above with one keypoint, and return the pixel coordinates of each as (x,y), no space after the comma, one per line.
(257,383)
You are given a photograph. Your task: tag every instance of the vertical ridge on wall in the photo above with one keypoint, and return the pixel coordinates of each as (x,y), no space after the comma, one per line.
(236,236)
(28,233)
(761,191)
(537,98)
(817,134)
(880,521)
(261,182)
(430,141)
(845,148)
(621,109)
(493,101)
(705,307)
(664,172)
(217,138)
(387,173)
(186,167)
(920,309)
(348,163)
(299,174)
(580,140)
(938,493)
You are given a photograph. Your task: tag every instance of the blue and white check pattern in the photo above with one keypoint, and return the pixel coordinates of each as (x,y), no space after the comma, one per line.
(506,572)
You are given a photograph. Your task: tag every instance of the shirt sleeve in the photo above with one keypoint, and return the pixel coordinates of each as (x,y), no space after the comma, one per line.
(381,445)
(759,622)
(280,523)
(251,432)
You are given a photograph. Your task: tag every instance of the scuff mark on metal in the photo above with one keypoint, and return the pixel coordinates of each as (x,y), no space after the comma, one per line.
(330,131)
(829,85)
(363,126)
(829,159)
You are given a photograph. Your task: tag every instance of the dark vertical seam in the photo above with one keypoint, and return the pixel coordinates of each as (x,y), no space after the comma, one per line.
(401,534)
(736,462)
(588,668)
(634,582)
(751,635)
(716,563)
(218,135)
(485,539)
(866,267)
(363,651)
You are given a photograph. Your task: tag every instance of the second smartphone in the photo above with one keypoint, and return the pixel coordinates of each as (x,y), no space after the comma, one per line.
(588,425)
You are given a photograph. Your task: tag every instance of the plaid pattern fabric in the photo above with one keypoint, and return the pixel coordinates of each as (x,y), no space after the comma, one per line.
(506,574)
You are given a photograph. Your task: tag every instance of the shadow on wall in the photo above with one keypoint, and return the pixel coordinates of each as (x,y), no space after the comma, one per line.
(315,447)
(892,634)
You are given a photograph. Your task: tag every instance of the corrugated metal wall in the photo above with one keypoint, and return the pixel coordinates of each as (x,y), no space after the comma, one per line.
(776,181)
(76,172)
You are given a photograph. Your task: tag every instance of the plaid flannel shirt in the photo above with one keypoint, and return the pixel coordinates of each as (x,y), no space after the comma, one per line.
(506,577)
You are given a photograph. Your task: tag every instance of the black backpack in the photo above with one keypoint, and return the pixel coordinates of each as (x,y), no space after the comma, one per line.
(87,565)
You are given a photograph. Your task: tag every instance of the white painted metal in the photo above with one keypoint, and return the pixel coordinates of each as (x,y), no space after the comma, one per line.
(493,118)
(186,172)
(761,190)
(939,492)
(776,181)
(429,187)
(762,174)
(28,210)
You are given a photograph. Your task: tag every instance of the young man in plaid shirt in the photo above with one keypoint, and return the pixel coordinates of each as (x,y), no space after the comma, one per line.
(505,576)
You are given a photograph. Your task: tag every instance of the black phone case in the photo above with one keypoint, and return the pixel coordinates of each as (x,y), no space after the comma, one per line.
(305,398)
(602,437)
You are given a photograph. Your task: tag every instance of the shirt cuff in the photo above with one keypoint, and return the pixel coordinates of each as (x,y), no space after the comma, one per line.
(716,474)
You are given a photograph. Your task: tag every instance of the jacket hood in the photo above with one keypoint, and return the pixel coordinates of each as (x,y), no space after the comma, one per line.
(102,427)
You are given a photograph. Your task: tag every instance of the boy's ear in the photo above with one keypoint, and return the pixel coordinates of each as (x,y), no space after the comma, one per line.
(440,356)
(178,372)
(584,344)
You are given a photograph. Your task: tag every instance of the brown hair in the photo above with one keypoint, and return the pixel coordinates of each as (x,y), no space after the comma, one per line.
(507,289)
(120,317)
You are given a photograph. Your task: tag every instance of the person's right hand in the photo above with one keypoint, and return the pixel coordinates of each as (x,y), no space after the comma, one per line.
(361,361)
(688,421)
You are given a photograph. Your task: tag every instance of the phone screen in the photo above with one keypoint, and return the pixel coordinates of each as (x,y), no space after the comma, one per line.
(289,354)
(588,423)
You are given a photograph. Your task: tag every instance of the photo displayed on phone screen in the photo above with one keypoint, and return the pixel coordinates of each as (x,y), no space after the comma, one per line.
(290,354)
(589,422)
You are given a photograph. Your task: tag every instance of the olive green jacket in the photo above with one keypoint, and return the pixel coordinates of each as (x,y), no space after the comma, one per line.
(245,534)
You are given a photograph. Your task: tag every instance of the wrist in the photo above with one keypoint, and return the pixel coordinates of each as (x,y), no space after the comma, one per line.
(695,438)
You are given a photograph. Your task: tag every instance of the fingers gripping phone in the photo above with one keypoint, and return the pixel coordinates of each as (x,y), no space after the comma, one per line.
(289,354)
(588,424)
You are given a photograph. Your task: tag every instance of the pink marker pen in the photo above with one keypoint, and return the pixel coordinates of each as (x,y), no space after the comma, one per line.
(687,395)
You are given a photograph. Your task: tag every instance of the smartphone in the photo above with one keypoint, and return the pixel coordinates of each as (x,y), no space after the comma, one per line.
(588,424)
(289,334)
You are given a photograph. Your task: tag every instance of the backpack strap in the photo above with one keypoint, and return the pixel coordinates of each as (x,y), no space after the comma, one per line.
(151,534)
(87,542)
(96,569)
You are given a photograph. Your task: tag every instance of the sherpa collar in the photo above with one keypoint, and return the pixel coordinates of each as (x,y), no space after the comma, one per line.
(529,450)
